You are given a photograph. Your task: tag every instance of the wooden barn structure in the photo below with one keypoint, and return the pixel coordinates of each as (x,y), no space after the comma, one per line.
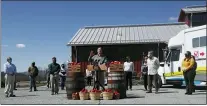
(123,40)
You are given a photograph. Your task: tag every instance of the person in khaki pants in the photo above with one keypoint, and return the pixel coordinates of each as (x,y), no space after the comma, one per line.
(54,69)
(10,71)
(153,65)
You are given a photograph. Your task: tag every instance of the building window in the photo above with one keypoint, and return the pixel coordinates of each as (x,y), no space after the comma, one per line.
(202,41)
(195,42)
(199,19)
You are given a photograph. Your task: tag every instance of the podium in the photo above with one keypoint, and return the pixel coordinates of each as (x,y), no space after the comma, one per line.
(97,69)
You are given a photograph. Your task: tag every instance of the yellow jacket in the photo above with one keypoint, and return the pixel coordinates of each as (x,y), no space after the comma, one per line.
(188,63)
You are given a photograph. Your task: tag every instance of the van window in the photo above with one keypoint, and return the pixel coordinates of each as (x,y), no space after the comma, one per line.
(202,41)
(195,42)
(168,57)
(175,55)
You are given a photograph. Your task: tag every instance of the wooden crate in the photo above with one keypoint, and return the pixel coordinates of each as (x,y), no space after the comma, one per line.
(74,68)
(116,67)
(102,67)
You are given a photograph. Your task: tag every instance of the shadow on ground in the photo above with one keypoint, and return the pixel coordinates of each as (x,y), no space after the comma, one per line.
(134,96)
(26,95)
(167,92)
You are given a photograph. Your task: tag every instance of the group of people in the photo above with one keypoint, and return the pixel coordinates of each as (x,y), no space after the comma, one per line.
(150,71)
(55,72)
(189,66)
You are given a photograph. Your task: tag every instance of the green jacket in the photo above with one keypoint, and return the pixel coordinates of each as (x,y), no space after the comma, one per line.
(33,71)
(54,68)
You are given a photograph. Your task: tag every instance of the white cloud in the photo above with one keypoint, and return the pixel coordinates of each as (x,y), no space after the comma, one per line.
(4,45)
(20,45)
(173,18)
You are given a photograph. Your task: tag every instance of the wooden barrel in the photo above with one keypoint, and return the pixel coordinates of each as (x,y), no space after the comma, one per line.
(74,83)
(116,81)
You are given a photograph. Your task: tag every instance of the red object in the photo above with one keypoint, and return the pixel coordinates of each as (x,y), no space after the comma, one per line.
(196,53)
(107,90)
(202,53)
(84,90)
(95,90)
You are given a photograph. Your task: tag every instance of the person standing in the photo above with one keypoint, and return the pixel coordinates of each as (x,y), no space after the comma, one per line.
(15,83)
(188,72)
(62,76)
(153,65)
(128,70)
(194,73)
(54,69)
(144,70)
(98,59)
(10,72)
(48,79)
(89,77)
(33,73)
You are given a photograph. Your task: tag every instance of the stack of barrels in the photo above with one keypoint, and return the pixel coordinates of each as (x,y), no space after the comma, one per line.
(74,81)
(116,81)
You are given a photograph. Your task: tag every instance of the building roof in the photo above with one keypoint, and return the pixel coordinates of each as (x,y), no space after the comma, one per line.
(191,9)
(126,34)
(194,9)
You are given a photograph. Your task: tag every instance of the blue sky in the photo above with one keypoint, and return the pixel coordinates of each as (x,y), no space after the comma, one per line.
(37,31)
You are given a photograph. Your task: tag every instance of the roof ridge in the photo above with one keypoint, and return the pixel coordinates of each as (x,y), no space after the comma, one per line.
(133,25)
(196,6)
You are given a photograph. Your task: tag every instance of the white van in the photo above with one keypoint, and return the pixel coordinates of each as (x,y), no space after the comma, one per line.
(193,40)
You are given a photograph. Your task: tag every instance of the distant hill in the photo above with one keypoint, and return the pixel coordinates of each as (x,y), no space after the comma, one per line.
(23,76)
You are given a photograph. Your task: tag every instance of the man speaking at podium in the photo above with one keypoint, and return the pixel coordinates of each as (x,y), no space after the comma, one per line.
(98,59)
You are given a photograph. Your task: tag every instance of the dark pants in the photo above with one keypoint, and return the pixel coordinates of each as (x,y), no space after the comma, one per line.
(62,80)
(128,77)
(89,80)
(145,80)
(189,78)
(194,80)
(32,82)
(15,81)
(152,79)
(48,82)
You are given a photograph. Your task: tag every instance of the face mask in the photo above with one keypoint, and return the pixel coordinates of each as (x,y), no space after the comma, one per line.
(9,61)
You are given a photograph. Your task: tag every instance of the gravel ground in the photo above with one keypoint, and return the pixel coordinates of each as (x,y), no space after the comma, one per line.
(167,95)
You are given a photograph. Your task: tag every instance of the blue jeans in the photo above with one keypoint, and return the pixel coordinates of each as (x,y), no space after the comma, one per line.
(32,82)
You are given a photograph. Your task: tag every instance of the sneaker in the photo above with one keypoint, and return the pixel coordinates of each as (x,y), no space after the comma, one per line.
(52,93)
(35,90)
(186,93)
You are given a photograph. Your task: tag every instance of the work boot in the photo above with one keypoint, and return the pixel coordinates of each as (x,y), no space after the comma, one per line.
(52,93)
(12,95)
(149,92)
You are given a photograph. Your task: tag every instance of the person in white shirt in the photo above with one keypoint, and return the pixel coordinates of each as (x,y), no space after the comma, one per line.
(89,77)
(10,72)
(128,70)
(153,65)
(62,74)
